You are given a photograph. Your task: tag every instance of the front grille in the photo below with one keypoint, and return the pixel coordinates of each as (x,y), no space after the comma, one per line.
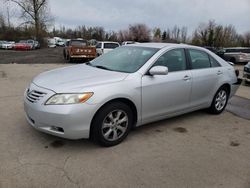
(34,96)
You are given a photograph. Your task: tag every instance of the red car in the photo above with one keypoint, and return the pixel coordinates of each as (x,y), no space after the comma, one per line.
(22,45)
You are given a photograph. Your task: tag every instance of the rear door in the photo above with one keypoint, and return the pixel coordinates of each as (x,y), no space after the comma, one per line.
(206,73)
(166,94)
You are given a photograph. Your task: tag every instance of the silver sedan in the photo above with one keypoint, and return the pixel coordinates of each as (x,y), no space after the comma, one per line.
(128,87)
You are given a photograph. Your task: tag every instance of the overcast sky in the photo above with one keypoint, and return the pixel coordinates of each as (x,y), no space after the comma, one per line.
(118,14)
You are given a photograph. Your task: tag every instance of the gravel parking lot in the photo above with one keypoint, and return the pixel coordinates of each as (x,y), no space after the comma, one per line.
(40,56)
(193,150)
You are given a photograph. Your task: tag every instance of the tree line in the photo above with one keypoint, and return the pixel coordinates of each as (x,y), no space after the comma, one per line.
(37,19)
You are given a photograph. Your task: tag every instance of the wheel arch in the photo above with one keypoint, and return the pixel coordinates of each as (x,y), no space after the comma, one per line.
(124,100)
(227,86)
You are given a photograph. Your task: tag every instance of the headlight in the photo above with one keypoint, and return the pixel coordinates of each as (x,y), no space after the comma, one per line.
(59,99)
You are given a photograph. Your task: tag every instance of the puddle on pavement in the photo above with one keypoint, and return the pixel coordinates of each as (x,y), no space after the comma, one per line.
(234,143)
(180,130)
(57,144)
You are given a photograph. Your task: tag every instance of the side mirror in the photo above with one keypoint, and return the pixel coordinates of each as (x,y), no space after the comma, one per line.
(158,70)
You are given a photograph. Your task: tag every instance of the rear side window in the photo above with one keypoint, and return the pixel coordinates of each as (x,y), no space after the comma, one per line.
(175,60)
(199,59)
(110,45)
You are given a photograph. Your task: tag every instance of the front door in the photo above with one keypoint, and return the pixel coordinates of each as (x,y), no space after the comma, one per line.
(163,95)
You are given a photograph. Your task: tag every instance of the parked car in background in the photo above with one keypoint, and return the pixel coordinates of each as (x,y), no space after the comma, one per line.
(6,45)
(129,42)
(51,43)
(246,72)
(79,49)
(31,43)
(212,49)
(1,42)
(105,46)
(235,55)
(23,45)
(37,45)
(128,87)
(59,41)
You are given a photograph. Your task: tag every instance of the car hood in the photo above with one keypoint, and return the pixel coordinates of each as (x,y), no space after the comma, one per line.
(76,78)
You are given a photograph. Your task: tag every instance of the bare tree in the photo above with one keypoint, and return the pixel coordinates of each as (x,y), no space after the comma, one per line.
(34,12)
(184,31)
(157,34)
(139,32)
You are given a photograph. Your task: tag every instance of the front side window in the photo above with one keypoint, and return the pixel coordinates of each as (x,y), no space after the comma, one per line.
(124,59)
(199,59)
(175,60)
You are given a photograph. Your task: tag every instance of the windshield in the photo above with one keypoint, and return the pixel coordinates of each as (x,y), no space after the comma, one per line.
(78,42)
(124,59)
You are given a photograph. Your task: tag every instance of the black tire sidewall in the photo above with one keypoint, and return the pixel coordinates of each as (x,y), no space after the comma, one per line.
(98,120)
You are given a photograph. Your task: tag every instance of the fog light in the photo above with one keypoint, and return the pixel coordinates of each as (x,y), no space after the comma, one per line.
(58,129)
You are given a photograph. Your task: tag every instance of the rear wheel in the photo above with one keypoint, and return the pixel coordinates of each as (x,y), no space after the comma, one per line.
(112,124)
(220,101)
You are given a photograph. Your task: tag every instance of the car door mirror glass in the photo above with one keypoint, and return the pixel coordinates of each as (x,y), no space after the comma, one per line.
(158,70)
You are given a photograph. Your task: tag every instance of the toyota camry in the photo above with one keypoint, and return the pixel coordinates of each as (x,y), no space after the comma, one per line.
(128,87)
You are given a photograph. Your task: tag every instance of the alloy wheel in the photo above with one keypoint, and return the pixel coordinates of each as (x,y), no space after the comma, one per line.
(115,125)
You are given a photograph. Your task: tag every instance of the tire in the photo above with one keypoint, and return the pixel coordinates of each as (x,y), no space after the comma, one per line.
(112,124)
(219,101)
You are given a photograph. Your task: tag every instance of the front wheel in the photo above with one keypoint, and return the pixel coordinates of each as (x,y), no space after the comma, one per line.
(220,101)
(112,124)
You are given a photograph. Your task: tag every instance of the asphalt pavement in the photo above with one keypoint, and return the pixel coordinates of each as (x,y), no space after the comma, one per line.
(195,150)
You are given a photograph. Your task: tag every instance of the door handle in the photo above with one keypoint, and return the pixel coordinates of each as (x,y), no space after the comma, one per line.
(219,73)
(186,78)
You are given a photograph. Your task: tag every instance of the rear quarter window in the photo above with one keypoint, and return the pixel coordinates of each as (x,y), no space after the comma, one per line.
(214,62)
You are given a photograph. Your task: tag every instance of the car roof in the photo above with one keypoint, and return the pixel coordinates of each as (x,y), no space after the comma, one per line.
(238,48)
(163,45)
(108,42)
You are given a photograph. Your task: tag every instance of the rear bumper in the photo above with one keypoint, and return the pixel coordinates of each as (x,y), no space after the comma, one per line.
(235,87)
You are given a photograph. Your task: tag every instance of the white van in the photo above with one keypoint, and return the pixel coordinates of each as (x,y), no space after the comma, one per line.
(106,46)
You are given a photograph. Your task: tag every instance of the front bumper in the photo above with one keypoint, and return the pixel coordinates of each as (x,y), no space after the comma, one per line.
(67,121)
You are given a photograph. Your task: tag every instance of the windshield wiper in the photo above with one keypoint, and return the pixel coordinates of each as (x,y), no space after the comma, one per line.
(101,67)
(88,63)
